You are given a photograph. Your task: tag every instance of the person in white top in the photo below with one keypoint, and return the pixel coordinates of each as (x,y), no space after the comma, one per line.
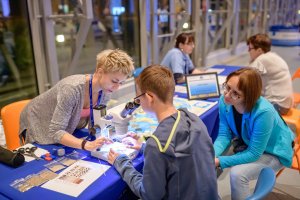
(274,71)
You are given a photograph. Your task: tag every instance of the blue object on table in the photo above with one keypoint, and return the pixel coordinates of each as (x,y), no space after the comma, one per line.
(264,185)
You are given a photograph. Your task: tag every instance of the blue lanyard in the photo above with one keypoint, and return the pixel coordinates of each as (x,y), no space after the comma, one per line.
(91,100)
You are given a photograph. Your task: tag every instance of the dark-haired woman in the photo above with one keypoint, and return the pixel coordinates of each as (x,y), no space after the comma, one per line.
(261,137)
(178,59)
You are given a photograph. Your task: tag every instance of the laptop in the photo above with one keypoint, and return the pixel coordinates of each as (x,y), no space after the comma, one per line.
(202,86)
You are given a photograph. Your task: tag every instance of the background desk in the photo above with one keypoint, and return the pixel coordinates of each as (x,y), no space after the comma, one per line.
(227,69)
(109,186)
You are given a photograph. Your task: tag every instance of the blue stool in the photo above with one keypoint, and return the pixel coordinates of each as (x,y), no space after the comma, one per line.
(264,185)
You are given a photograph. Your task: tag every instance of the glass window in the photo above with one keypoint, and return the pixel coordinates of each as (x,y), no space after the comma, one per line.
(17,70)
(115,24)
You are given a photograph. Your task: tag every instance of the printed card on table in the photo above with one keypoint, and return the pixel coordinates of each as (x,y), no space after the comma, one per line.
(76,178)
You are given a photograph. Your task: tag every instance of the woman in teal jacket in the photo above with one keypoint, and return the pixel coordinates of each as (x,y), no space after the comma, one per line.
(250,121)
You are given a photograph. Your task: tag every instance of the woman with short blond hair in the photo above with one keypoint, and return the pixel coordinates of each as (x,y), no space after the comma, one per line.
(53,116)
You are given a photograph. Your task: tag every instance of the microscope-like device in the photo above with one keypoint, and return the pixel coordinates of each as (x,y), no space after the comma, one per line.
(117,117)
(113,124)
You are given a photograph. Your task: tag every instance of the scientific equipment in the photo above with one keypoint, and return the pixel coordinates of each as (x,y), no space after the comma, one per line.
(117,118)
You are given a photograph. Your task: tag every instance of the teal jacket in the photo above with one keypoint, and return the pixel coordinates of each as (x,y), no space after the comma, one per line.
(263,131)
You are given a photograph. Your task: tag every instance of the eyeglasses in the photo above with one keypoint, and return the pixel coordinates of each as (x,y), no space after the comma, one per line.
(136,99)
(233,94)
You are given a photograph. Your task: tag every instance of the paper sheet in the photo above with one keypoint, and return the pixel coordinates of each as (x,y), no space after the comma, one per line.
(197,107)
(76,178)
(180,89)
(38,152)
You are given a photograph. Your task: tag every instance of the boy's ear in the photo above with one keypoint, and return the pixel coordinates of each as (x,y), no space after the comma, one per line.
(150,96)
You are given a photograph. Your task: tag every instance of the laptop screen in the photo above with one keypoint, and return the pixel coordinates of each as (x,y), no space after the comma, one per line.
(202,86)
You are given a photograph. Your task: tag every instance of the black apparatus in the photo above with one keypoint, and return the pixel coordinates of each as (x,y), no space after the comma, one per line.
(10,158)
(130,107)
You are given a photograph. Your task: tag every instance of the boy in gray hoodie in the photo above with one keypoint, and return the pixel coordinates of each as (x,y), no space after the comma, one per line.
(178,156)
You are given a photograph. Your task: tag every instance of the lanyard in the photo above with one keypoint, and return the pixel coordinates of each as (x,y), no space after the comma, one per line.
(91,100)
(161,149)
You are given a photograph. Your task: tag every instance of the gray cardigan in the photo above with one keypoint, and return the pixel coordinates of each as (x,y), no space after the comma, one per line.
(56,112)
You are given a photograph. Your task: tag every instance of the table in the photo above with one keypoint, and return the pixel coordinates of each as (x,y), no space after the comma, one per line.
(109,186)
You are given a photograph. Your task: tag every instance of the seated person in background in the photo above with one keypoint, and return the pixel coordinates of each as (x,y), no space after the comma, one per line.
(179,156)
(258,134)
(178,59)
(53,116)
(276,78)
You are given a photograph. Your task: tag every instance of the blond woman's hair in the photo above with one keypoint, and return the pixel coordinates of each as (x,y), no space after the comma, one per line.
(115,61)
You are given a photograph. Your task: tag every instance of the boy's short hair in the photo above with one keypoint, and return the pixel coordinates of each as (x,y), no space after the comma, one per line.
(260,41)
(115,61)
(250,84)
(184,38)
(158,80)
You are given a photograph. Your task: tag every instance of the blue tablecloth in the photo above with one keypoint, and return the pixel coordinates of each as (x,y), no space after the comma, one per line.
(227,69)
(109,186)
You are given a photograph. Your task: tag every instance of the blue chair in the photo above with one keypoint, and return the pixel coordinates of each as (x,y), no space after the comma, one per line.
(264,185)
(137,72)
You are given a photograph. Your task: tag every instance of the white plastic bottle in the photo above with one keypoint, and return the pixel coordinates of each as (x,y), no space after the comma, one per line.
(2,136)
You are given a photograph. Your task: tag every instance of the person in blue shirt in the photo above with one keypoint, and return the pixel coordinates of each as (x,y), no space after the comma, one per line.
(178,59)
(257,132)
(178,156)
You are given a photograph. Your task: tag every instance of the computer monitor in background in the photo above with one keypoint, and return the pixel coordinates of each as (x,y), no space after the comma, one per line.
(202,86)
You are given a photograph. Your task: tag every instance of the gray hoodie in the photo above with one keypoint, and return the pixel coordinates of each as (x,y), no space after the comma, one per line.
(185,171)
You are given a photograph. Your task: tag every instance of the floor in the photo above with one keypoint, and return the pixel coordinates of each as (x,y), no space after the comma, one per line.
(288,183)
